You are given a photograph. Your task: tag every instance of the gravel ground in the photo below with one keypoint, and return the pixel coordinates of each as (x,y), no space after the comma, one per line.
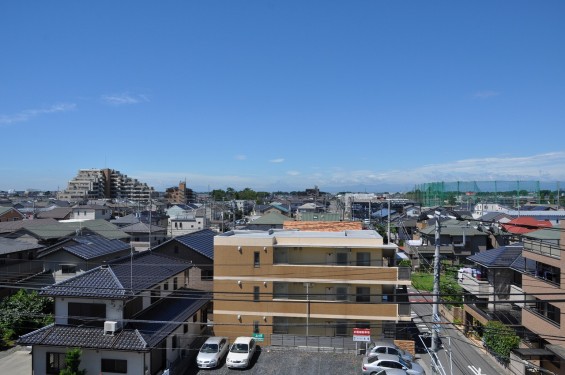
(294,362)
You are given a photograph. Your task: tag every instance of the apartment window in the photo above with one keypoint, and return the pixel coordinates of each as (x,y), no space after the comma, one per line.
(364,259)
(341,328)
(256,293)
(55,362)
(68,269)
(180,225)
(174,342)
(185,328)
(548,311)
(363,294)
(256,259)
(89,314)
(175,283)
(255,326)
(119,366)
(341,293)
(166,286)
(341,259)
(176,224)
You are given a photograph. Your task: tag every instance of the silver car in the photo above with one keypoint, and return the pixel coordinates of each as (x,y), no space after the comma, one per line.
(388,347)
(374,364)
(212,352)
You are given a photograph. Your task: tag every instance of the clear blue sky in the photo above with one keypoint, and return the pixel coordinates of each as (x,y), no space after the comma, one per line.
(282,94)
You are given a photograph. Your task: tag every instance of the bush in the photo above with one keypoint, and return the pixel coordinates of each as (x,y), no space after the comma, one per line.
(500,340)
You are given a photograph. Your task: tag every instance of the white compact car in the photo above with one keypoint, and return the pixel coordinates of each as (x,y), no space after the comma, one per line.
(241,352)
(212,352)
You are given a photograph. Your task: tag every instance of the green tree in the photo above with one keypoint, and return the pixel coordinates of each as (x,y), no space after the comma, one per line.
(24,312)
(247,194)
(500,340)
(72,362)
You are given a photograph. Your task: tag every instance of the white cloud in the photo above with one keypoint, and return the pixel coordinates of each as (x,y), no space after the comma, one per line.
(124,99)
(486,94)
(543,167)
(28,114)
(279,160)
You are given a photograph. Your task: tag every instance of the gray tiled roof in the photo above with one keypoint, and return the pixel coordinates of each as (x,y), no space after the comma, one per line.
(84,337)
(161,319)
(120,279)
(143,333)
(201,241)
(141,227)
(501,257)
(8,246)
(90,247)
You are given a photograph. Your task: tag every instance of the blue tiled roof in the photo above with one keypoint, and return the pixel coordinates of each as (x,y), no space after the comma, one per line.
(120,279)
(91,247)
(501,257)
(201,241)
(163,318)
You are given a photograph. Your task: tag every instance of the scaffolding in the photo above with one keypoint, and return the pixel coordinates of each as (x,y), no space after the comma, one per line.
(468,193)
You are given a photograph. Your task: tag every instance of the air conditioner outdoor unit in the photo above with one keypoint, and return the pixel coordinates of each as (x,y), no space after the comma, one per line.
(110,327)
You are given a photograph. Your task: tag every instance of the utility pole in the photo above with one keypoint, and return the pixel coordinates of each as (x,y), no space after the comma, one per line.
(435,306)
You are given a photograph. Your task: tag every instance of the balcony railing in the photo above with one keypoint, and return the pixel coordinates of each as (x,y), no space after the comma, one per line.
(543,248)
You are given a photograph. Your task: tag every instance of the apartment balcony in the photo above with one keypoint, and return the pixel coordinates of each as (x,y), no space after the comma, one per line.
(324,309)
(375,274)
(532,284)
(475,285)
(503,312)
(542,248)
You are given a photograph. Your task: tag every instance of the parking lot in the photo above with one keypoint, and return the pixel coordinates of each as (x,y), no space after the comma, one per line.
(294,362)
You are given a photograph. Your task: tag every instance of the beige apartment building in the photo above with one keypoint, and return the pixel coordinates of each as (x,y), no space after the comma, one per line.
(541,284)
(306,284)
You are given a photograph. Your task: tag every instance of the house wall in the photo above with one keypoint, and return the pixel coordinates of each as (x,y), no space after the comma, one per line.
(90,359)
(12,215)
(114,308)
(54,261)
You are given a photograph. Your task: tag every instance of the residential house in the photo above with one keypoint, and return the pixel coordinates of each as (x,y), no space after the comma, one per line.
(307,287)
(267,209)
(18,261)
(458,240)
(129,317)
(144,236)
(196,248)
(272,220)
(492,287)
(10,214)
(76,255)
(49,232)
(91,212)
(57,213)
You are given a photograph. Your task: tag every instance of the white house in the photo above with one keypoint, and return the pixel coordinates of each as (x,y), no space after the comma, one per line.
(130,317)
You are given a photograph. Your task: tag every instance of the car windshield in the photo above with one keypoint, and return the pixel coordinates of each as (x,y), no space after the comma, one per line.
(405,363)
(239,348)
(209,348)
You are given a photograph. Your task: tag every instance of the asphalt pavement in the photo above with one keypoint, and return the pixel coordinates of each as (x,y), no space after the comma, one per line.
(464,353)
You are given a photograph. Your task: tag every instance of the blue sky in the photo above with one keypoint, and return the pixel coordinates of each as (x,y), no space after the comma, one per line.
(282,95)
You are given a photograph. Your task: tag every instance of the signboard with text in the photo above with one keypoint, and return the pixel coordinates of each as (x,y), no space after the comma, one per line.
(362,334)
(259,336)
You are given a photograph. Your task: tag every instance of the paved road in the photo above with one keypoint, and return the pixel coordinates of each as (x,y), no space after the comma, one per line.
(464,353)
(16,361)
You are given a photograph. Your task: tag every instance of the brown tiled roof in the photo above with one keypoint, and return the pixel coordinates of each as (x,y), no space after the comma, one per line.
(323,226)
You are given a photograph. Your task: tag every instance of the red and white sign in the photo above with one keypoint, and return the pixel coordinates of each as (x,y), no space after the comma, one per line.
(362,334)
